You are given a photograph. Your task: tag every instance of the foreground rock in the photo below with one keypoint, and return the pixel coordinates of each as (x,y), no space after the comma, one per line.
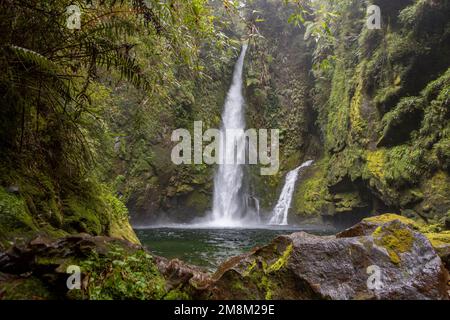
(440,241)
(303,266)
(380,258)
(111,269)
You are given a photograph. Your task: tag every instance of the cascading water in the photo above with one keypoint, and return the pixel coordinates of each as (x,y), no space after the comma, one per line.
(229,203)
(280,212)
(257,208)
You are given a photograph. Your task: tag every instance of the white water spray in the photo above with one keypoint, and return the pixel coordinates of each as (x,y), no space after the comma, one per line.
(229,205)
(280,212)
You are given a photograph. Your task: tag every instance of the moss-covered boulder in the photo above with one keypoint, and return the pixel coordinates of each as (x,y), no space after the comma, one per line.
(440,240)
(110,269)
(33,202)
(303,266)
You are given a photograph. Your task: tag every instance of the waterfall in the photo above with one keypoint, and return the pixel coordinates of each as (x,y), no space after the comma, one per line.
(229,203)
(280,212)
(257,208)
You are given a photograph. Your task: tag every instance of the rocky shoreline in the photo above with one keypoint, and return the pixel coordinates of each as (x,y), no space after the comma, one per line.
(385,257)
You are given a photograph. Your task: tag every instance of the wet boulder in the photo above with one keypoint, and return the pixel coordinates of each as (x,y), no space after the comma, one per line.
(389,260)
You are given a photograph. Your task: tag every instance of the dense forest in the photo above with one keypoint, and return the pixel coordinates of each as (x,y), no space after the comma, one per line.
(91,92)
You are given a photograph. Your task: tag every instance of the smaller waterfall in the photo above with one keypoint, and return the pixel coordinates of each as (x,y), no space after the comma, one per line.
(280,212)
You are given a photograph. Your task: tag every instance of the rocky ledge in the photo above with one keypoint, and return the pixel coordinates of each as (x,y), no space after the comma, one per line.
(386,257)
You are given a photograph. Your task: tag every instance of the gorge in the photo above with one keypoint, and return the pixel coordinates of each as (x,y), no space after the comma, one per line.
(356,173)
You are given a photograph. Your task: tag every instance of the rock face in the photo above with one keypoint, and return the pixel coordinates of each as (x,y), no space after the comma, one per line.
(303,266)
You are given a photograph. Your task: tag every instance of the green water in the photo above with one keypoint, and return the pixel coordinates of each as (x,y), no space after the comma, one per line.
(208,248)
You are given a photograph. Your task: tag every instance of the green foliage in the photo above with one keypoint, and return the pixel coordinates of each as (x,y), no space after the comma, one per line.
(122,276)
(338,111)
(383,106)
(399,122)
(312,195)
(400,164)
(14,217)
(76,104)
(177,294)
(25,289)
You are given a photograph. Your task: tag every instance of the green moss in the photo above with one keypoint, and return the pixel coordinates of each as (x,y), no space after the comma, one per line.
(386,94)
(338,114)
(238,286)
(119,225)
(348,163)
(121,275)
(438,240)
(389,217)
(263,274)
(376,162)
(401,166)
(374,106)
(312,193)
(250,268)
(436,192)
(266,284)
(346,202)
(183,189)
(177,294)
(198,201)
(15,219)
(82,216)
(434,233)
(357,121)
(395,239)
(395,168)
(281,261)
(99,214)
(401,121)
(30,288)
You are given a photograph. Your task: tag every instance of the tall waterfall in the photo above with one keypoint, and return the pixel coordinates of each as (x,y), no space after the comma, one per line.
(229,203)
(280,212)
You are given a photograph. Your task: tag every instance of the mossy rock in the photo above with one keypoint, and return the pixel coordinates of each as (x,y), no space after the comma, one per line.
(110,269)
(394,239)
(311,197)
(400,122)
(18,288)
(348,202)
(119,224)
(15,219)
(439,240)
(103,214)
(303,266)
(82,216)
(436,192)
(389,217)
(198,201)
